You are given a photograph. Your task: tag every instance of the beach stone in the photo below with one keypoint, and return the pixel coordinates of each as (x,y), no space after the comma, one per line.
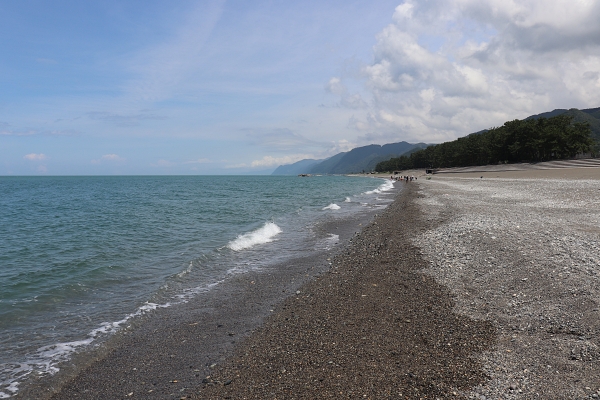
(534,278)
(343,332)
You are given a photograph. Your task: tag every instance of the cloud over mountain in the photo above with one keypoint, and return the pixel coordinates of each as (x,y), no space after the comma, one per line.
(446,68)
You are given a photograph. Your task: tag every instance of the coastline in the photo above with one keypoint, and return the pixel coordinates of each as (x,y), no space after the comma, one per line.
(180,343)
(463,287)
(493,295)
(374,326)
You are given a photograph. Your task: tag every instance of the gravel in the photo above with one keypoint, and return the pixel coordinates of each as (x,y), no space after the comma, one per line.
(525,256)
(462,288)
(373,327)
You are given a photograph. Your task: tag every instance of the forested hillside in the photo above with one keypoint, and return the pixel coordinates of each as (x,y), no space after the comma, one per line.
(361,159)
(534,139)
(590,115)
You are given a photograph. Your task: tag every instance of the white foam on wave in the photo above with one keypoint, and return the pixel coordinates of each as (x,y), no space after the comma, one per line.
(384,187)
(61,351)
(348,200)
(190,293)
(13,388)
(262,235)
(331,241)
(332,206)
(46,358)
(186,271)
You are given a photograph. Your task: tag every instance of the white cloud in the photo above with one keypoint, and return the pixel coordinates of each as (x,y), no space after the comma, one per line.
(111,157)
(35,157)
(108,158)
(336,87)
(341,146)
(444,69)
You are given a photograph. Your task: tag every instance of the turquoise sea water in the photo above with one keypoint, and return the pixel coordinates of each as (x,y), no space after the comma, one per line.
(82,256)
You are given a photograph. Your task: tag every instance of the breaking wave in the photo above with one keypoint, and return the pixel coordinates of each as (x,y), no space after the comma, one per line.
(387,185)
(262,235)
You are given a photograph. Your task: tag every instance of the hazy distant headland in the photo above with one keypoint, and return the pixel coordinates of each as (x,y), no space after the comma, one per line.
(359,159)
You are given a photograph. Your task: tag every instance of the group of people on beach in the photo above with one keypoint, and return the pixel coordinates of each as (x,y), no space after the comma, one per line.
(404,178)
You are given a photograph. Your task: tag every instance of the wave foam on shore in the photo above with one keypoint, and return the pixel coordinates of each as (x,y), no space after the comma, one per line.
(387,185)
(262,235)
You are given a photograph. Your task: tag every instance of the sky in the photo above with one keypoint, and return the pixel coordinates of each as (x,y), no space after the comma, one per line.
(240,87)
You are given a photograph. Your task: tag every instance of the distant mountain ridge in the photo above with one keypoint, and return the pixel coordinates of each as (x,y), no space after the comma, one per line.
(359,159)
(296,168)
(590,115)
(365,158)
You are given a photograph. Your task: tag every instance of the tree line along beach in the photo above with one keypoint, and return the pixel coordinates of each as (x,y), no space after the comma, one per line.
(464,287)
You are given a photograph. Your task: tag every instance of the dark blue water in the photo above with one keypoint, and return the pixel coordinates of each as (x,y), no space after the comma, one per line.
(81,256)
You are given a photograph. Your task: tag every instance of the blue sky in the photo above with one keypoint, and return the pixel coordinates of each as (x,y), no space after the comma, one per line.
(226,87)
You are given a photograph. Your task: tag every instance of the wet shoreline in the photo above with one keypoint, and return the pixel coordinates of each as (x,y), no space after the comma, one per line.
(182,342)
(374,326)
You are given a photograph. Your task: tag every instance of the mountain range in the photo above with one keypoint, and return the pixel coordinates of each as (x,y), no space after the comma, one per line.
(365,158)
(590,115)
(359,159)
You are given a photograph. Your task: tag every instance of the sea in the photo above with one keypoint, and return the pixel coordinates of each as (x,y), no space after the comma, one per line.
(83,256)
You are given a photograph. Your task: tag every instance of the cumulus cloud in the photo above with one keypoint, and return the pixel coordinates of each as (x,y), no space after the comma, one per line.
(335,86)
(35,157)
(340,146)
(444,69)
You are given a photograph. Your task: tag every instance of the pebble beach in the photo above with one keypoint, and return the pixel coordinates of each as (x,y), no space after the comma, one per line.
(464,287)
(522,251)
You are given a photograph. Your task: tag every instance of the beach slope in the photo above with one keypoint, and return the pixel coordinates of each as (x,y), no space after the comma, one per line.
(462,288)
(375,326)
(523,252)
